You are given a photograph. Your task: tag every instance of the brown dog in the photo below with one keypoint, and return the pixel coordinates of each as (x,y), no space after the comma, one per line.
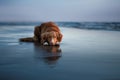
(46,32)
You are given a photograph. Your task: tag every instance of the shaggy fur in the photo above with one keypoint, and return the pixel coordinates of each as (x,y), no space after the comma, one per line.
(46,32)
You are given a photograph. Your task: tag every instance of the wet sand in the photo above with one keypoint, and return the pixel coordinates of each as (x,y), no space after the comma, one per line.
(83,54)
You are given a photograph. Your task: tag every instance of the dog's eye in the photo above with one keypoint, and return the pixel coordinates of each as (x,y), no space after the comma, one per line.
(44,38)
(54,37)
(49,37)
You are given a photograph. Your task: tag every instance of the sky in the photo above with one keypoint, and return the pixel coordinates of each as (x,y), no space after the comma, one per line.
(60,10)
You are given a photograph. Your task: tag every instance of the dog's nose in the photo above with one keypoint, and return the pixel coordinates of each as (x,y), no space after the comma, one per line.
(52,42)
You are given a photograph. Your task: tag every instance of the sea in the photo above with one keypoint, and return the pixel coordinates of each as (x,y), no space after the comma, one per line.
(80,25)
(88,51)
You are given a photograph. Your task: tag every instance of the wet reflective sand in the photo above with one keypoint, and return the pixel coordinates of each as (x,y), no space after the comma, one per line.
(82,55)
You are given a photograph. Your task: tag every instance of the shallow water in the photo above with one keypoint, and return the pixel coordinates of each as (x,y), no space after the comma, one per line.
(83,54)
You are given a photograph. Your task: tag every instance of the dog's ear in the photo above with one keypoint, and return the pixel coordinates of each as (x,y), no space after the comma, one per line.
(43,38)
(59,37)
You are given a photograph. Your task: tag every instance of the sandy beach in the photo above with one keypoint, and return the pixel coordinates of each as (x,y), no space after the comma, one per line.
(82,55)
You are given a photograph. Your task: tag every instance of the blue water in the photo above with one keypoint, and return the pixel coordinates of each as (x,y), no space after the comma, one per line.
(84,54)
(81,25)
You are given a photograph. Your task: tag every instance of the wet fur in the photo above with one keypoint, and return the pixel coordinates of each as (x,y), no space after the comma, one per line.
(42,32)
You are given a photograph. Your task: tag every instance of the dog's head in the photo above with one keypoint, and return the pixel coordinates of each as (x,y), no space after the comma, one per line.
(52,38)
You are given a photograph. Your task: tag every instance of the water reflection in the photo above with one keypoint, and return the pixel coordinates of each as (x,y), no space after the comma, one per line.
(49,54)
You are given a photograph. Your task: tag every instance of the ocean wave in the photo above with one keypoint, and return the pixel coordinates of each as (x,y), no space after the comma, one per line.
(93,25)
(80,25)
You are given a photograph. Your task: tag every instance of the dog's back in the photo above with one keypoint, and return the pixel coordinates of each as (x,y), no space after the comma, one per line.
(48,27)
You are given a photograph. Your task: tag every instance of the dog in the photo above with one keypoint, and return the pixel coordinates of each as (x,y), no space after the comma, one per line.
(46,32)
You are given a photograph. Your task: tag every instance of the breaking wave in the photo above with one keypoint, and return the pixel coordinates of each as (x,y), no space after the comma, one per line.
(80,25)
